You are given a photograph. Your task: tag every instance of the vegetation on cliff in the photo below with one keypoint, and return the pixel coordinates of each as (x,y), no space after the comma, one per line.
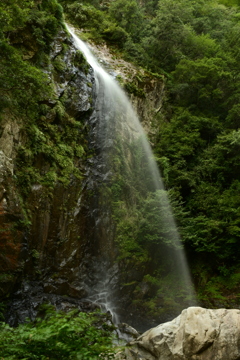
(43,141)
(196,46)
(28,29)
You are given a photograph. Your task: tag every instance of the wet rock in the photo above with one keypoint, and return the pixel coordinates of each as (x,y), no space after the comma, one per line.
(62,287)
(43,235)
(10,209)
(77,292)
(27,301)
(9,141)
(127,332)
(196,334)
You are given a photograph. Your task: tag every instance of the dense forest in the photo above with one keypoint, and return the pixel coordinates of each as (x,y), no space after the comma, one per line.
(191,45)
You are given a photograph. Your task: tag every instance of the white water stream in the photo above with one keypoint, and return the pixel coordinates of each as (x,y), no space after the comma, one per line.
(117,118)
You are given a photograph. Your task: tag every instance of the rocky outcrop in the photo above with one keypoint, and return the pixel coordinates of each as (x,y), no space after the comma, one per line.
(196,334)
(145,90)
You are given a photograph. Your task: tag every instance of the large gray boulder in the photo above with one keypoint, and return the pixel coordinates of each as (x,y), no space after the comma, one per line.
(196,334)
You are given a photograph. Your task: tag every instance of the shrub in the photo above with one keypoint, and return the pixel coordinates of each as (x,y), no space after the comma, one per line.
(73,336)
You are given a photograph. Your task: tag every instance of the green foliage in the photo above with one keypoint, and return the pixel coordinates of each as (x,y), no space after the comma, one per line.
(59,64)
(164,292)
(186,29)
(79,60)
(150,7)
(58,146)
(217,290)
(25,93)
(115,34)
(156,225)
(87,16)
(45,21)
(132,88)
(166,39)
(128,16)
(2,305)
(208,178)
(22,85)
(59,336)
(13,15)
(203,82)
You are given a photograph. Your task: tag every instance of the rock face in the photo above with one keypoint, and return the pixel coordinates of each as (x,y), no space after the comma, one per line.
(44,235)
(57,234)
(196,334)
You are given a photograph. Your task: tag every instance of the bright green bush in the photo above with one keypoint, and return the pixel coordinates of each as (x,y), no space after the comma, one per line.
(72,336)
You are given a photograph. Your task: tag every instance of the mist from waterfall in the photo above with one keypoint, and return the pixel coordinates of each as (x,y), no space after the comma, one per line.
(118,130)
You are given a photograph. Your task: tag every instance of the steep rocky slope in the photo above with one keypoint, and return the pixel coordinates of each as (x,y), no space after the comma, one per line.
(52,230)
(42,220)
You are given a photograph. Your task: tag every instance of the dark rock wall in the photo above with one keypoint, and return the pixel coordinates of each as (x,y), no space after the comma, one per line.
(58,241)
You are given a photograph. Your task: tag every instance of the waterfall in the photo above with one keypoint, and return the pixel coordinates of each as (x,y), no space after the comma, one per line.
(128,175)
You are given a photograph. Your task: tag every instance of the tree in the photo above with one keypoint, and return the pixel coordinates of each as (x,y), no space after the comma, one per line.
(129,16)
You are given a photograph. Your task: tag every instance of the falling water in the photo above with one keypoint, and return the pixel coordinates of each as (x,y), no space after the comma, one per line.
(118,135)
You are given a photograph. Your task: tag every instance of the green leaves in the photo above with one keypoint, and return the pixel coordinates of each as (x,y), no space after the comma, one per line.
(13,14)
(21,84)
(156,225)
(59,336)
(129,16)
(206,84)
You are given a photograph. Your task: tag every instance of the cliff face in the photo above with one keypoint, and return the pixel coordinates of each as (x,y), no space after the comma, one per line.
(42,223)
(10,210)
(53,226)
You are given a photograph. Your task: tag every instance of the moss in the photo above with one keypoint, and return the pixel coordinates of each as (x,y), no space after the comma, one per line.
(120,80)
(35,254)
(132,88)
(6,277)
(54,139)
(50,178)
(59,64)
(80,61)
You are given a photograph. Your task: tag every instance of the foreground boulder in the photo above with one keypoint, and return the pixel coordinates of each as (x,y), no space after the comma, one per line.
(196,334)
